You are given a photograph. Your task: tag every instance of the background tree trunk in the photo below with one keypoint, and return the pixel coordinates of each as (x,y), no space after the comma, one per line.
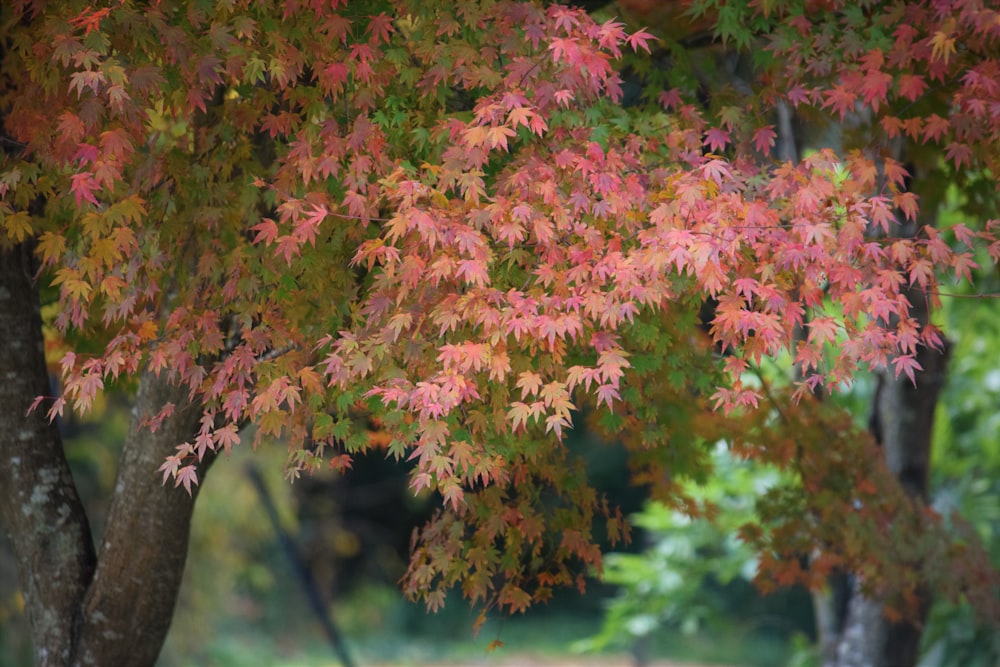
(111,609)
(902,422)
(903,416)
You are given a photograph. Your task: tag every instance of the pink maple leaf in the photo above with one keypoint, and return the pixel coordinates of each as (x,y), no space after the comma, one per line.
(82,188)
(716,139)
(908,365)
(187,476)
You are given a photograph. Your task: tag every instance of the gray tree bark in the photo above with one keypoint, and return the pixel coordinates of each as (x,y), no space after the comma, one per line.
(39,505)
(85,608)
(903,417)
(854,631)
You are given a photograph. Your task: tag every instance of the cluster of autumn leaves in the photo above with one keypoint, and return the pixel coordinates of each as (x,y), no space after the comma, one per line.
(230,201)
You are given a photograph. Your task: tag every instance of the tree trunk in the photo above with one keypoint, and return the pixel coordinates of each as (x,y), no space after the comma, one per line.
(39,505)
(129,605)
(111,609)
(903,417)
(902,422)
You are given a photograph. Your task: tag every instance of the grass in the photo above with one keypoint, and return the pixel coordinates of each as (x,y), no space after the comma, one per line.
(383,630)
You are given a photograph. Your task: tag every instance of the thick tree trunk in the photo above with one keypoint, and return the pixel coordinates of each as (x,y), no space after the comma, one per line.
(39,505)
(129,605)
(113,609)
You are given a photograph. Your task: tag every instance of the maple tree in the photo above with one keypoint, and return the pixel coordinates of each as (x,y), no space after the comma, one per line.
(439,221)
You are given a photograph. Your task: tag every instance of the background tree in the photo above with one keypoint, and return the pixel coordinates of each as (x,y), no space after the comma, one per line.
(888,97)
(444,224)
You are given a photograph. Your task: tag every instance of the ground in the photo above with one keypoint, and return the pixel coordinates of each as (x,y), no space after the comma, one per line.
(528,660)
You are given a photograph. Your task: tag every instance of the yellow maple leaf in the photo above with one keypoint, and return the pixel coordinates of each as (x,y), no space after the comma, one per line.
(942,43)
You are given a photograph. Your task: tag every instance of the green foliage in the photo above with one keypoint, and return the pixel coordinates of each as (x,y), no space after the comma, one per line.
(966,473)
(665,586)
